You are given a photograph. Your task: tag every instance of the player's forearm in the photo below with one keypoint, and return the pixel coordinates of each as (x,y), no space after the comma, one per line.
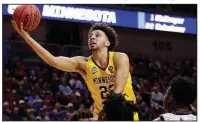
(43,53)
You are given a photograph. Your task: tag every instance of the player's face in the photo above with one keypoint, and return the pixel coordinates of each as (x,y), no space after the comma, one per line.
(97,39)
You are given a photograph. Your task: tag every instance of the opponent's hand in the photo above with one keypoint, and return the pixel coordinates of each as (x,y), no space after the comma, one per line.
(20,30)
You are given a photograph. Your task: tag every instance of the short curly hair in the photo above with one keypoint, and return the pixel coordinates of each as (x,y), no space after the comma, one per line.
(81,115)
(109,31)
(184,90)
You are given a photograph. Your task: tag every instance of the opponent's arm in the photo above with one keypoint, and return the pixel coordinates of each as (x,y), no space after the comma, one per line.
(121,62)
(62,63)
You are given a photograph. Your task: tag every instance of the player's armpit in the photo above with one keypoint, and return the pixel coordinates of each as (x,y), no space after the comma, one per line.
(121,62)
(69,64)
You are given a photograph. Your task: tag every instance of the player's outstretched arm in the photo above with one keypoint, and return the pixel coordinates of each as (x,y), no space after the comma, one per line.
(121,62)
(62,63)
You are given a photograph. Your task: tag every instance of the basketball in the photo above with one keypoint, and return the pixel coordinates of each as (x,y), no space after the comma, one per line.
(29,15)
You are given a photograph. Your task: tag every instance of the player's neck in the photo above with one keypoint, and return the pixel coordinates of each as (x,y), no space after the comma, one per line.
(100,57)
(180,109)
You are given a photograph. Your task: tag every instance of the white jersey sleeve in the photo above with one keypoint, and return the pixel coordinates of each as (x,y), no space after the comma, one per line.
(170,116)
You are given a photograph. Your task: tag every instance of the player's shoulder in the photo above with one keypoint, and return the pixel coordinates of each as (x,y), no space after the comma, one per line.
(82,61)
(81,58)
(120,54)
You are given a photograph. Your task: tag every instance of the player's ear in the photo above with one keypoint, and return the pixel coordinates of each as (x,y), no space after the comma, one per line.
(107,43)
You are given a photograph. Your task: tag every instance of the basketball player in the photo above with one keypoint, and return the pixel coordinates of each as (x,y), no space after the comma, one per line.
(180,95)
(102,71)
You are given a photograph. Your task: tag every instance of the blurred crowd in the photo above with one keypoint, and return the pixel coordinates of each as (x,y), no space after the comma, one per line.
(40,92)
(33,92)
(151,77)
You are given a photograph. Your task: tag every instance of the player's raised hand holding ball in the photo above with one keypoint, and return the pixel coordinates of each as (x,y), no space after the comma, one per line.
(26,18)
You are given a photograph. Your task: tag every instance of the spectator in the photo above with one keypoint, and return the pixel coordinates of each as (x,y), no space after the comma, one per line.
(44,114)
(24,87)
(61,110)
(15,85)
(145,114)
(138,98)
(55,84)
(35,101)
(6,112)
(22,109)
(40,81)
(75,82)
(37,88)
(57,113)
(157,96)
(19,71)
(7,84)
(15,115)
(71,110)
(46,88)
(81,107)
(32,78)
(30,115)
(64,88)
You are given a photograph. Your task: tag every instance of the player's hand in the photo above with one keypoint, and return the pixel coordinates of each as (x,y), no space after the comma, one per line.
(20,29)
